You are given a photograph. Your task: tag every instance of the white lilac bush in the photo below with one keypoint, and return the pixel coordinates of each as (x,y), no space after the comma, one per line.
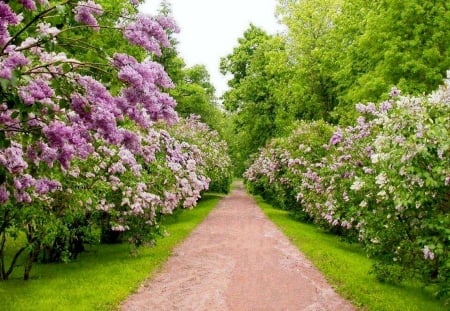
(216,163)
(384,181)
(86,150)
(280,168)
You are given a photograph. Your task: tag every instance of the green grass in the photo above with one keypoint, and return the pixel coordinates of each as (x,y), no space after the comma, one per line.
(346,267)
(103,276)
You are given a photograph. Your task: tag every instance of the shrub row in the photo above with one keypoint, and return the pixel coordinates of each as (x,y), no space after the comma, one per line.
(383,181)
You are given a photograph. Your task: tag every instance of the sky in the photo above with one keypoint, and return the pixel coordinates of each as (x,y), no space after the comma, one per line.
(210,29)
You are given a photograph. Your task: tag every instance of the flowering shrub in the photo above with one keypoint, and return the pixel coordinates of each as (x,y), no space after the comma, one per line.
(278,171)
(384,181)
(216,163)
(79,148)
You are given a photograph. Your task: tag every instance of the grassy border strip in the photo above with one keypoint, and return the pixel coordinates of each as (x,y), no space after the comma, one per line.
(103,277)
(346,267)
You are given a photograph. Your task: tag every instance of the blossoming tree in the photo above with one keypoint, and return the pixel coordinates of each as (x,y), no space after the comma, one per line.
(80,92)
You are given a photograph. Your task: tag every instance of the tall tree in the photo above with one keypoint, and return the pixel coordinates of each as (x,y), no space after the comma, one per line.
(258,66)
(405,43)
(310,26)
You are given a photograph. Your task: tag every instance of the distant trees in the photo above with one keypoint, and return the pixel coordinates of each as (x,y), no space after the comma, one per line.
(333,55)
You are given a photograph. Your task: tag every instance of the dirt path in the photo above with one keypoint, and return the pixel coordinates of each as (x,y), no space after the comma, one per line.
(237,260)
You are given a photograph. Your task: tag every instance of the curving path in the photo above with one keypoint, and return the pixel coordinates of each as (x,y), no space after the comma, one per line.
(237,260)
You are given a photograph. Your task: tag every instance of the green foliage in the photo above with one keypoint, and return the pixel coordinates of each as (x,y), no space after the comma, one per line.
(344,52)
(404,43)
(258,66)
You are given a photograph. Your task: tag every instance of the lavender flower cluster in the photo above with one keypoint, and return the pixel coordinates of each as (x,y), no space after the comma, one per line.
(68,144)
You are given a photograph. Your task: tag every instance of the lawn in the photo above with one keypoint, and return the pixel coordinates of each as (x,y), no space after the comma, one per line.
(103,276)
(347,268)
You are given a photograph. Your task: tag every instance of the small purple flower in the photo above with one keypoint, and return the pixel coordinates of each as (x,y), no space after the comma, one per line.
(337,137)
(394,92)
(47,29)
(43,186)
(385,106)
(12,159)
(85,11)
(28,4)
(14,60)
(36,90)
(149,32)
(4,195)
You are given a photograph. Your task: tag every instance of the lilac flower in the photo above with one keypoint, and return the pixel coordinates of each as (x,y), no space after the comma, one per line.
(36,90)
(427,253)
(85,11)
(66,155)
(394,92)
(385,106)
(345,196)
(28,4)
(12,159)
(127,157)
(47,29)
(47,154)
(337,137)
(43,186)
(360,108)
(22,197)
(149,33)
(168,23)
(7,17)
(370,108)
(120,60)
(4,195)
(381,179)
(23,182)
(57,134)
(120,228)
(131,141)
(14,60)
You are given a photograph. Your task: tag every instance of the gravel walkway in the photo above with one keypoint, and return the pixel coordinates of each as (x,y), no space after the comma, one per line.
(237,260)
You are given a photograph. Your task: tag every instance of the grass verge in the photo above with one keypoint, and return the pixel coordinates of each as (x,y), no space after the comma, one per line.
(346,268)
(103,276)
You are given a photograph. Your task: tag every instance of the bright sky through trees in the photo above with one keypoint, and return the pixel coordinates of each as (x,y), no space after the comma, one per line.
(210,28)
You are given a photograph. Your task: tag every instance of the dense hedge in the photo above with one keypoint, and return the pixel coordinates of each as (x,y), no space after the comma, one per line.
(384,181)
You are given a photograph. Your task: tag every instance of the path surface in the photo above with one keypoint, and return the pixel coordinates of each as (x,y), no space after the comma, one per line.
(237,260)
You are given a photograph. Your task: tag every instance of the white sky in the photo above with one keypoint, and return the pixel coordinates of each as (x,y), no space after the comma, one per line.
(210,29)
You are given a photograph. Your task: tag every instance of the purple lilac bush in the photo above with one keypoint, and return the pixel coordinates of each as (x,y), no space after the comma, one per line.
(87,146)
